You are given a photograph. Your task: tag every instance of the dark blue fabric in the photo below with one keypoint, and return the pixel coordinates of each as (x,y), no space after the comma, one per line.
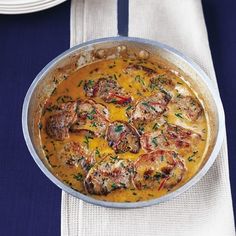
(123,17)
(221,25)
(29,202)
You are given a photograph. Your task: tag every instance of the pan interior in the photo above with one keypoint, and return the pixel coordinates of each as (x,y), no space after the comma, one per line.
(108,49)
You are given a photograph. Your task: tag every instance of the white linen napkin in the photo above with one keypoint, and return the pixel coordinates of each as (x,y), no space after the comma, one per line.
(206,208)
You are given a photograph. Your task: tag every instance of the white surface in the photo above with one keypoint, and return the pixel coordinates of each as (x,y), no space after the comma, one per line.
(13,2)
(205,209)
(26,6)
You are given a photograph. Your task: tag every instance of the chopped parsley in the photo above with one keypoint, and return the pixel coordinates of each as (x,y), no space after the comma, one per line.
(86,140)
(80,83)
(179,115)
(114,186)
(114,158)
(157,176)
(146,104)
(93,124)
(90,82)
(141,129)
(90,114)
(78,177)
(119,128)
(128,108)
(139,79)
(115,77)
(122,184)
(162,132)
(191,158)
(54,91)
(155,126)
(113,100)
(154,141)
(97,152)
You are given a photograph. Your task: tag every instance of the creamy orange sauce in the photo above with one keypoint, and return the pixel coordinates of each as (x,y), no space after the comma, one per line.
(138,88)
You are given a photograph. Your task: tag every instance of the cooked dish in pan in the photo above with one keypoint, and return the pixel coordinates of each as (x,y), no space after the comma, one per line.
(124,130)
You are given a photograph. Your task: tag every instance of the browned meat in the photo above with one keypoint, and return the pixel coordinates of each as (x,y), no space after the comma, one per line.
(189,107)
(137,67)
(110,174)
(92,116)
(170,137)
(161,82)
(73,155)
(158,169)
(122,137)
(157,80)
(150,108)
(57,125)
(108,90)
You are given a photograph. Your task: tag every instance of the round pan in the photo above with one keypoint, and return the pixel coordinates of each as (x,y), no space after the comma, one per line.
(80,55)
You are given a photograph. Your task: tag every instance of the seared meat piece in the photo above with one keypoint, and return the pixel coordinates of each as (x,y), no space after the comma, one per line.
(161,82)
(108,90)
(73,155)
(137,67)
(122,137)
(57,125)
(157,81)
(189,107)
(179,132)
(171,137)
(92,116)
(158,169)
(150,108)
(110,174)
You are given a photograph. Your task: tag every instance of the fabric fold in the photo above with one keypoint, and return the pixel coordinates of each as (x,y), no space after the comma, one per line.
(206,208)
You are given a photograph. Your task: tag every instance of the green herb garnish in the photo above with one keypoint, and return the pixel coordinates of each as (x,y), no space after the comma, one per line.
(179,115)
(155,126)
(78,177)
(146,104)
(90,114)
(191,158)
(97,152)
(94,124)
(86,140)
(154,141)
(139,79)
(119,128)
(115,77)
(157,176)
(80,83)
(114,186)
(128,108)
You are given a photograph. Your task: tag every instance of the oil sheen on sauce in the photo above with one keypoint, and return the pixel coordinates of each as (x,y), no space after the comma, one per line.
(137,85)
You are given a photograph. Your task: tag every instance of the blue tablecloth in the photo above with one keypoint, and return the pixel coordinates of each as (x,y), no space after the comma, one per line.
(29,202)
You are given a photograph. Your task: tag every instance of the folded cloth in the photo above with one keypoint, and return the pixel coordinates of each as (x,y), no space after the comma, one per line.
(206,208)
